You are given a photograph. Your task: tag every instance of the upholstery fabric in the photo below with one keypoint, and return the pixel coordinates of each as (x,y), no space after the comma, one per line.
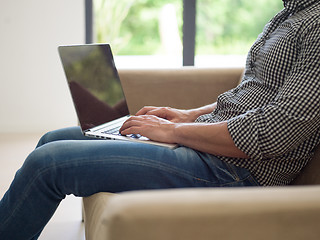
(251,213)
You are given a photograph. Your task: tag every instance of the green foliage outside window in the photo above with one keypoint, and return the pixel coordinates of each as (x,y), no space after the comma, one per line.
(231,26)
(223,26)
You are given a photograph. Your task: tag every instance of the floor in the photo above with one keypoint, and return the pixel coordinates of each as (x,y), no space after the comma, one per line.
(66,223)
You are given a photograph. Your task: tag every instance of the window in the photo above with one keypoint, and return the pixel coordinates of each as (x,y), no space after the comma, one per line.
(138,29)
(226,29)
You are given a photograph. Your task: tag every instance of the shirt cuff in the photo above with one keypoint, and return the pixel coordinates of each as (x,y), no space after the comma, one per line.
(245,136)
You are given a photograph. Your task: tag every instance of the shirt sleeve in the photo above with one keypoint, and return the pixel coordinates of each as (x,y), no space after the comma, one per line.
(293,116)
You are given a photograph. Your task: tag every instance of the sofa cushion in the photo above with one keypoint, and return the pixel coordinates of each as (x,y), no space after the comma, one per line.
(310,175)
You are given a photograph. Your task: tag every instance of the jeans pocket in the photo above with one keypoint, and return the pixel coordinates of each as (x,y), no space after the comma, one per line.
(241,176)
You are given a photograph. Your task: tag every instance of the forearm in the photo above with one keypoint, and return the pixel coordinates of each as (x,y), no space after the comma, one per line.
(213,138)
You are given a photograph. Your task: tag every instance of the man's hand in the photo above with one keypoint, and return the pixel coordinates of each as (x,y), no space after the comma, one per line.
(172,114)
(171,125)
(150,126)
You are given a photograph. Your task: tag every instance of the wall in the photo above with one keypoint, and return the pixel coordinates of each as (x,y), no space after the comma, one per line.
(34,95)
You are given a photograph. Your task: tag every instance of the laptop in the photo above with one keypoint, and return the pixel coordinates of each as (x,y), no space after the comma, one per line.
(97,93)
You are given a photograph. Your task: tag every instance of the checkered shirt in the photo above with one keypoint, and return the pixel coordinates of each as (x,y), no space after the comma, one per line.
(274,115)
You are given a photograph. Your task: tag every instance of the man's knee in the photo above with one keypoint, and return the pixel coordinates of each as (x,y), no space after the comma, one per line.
(44,139)
(71,133)
(36,161)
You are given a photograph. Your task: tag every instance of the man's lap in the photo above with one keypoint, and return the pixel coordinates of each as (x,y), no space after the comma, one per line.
(147,166)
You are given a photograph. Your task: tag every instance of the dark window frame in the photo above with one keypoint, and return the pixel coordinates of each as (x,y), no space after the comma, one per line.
(88,21)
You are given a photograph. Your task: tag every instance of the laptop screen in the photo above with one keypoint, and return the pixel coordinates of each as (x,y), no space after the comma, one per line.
(94,83)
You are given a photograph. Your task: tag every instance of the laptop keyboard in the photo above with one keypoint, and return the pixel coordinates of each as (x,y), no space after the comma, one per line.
(115,131)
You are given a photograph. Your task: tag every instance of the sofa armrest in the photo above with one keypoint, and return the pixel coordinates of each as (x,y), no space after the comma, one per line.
(236,213)
(184,88)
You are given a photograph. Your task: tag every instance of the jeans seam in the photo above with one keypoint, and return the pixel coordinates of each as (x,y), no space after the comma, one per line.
(145,162)
(161,166)
(233,172)
(238,179)
(253,180)
(164,167)
(249,177)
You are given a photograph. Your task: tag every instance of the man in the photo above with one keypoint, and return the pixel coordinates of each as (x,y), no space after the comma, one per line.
(262,133)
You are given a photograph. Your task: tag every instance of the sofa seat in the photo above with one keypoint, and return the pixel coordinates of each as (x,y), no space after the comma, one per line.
(280,213)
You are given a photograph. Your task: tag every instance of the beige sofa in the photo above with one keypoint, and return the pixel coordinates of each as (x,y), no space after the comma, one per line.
(257,213)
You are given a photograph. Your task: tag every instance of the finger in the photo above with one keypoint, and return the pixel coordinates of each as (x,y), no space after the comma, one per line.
(131,130)
(132,126)
(132,121)
(153,112)
(127,124)
(156,111)
(145,110)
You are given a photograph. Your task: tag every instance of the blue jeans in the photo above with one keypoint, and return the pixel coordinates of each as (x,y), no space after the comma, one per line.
(65,162)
